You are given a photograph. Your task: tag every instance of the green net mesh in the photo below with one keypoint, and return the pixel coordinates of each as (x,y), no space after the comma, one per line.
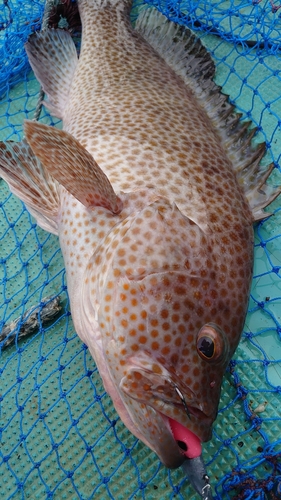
(60,437)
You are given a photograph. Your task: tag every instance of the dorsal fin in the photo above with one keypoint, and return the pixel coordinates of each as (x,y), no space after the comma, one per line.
(186,55)
(53,58)
(71,165)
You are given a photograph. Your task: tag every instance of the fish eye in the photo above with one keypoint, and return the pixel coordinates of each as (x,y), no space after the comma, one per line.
(210,343)
(206,346)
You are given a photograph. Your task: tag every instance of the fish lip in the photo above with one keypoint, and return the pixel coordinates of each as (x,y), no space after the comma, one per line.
(196,412)
(199,414)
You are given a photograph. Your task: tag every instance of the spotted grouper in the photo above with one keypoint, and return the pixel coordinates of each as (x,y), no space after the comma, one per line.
(152,187)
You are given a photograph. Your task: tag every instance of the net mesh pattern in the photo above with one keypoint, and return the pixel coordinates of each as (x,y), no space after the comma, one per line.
(60,435)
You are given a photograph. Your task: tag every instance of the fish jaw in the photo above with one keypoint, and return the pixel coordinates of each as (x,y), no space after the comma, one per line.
(149,382)
(148,413)
(154,430)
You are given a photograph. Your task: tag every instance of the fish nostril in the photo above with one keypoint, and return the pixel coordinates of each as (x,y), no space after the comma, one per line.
(182,445)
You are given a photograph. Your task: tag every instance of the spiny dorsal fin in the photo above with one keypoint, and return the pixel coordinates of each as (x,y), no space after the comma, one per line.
(176,44)
(72,166)
(53,58)
(186,55)
(29,181)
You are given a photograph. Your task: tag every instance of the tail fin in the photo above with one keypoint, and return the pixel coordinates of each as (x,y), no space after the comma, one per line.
(28,179)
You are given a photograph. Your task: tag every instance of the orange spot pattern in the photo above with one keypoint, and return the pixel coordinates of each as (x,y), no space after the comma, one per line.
(178,255)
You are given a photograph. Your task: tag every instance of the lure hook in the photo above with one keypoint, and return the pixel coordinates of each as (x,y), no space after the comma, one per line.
(179,393)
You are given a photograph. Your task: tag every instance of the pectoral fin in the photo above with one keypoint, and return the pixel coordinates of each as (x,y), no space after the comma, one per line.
(29,181)
(72,166)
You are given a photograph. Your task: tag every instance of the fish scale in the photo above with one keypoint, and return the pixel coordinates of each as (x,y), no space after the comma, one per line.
(167,135)
(150,187)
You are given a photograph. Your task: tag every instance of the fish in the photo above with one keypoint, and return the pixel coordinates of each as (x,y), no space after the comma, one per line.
(152,186)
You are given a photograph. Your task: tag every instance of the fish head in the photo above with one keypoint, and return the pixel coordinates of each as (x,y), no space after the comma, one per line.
(163,327)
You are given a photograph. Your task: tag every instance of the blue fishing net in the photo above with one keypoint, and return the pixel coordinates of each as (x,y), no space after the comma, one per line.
(60,437)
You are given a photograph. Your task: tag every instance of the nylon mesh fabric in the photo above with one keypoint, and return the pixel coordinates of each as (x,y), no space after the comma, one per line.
(60,435)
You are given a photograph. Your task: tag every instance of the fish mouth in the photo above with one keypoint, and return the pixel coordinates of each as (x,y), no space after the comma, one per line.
(195,412)
(189,453)
(172,449)
(192,412)
(159,397)
(186,438)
